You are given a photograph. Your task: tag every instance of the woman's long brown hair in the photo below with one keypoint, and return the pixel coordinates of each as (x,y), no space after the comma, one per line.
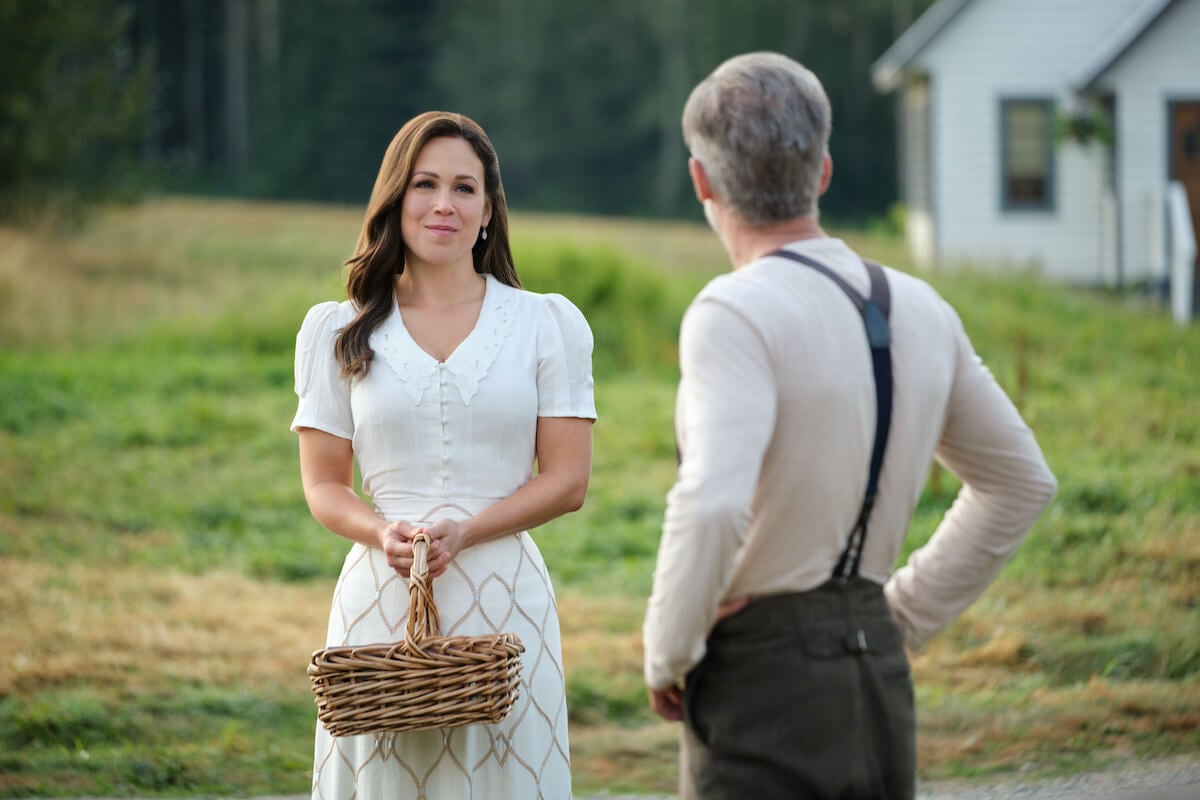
(379,255)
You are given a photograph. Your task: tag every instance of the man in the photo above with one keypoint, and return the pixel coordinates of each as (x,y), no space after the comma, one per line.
(774,594)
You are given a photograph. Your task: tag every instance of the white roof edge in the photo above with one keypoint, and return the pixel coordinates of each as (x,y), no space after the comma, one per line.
(886,71)
(1119,40)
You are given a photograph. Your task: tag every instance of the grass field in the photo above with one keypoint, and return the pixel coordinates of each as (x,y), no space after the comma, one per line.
(162,584)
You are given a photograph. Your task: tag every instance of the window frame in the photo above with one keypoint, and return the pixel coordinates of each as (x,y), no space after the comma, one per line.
(1049,203)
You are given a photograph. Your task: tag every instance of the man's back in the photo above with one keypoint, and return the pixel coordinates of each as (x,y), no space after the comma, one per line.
(783,349)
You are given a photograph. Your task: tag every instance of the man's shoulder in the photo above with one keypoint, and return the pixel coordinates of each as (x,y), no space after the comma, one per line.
(754,291)
(912,286)
(729,298)
(736,288)
(917,294)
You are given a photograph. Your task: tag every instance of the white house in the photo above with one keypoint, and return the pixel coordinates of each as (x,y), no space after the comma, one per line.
(1047,132)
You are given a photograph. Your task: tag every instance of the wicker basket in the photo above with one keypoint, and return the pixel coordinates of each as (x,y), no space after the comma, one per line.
(425,681)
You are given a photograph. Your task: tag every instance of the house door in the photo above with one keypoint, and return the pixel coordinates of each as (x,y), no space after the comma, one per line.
(1185,168)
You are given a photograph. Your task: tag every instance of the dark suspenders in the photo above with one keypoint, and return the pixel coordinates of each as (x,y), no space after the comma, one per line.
(875,311)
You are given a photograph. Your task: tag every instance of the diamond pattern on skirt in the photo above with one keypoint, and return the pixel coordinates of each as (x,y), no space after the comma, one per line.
(498,586)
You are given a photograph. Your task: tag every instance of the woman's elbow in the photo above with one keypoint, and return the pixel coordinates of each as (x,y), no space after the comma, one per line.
(574,499)
(574,494)
(320,494)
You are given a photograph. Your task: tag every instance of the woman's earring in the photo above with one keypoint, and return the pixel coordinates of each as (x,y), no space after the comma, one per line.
(483,233)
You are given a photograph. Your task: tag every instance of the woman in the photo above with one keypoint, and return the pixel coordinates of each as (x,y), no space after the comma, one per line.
(447,382)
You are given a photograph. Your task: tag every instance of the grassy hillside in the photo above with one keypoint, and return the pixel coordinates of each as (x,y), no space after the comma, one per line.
(162,584)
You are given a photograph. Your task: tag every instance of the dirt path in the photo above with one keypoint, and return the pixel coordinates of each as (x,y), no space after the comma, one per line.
(1173,779)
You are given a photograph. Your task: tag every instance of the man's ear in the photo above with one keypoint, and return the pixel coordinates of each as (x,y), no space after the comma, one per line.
(700,182)
(826,174)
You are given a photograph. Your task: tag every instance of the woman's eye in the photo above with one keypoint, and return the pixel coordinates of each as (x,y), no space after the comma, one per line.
(424,183)
(466,187)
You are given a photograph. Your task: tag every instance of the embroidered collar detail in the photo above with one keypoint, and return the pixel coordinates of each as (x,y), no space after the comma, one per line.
(470,361)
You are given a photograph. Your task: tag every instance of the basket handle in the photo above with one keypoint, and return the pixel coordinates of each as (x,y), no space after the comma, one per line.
(422,613)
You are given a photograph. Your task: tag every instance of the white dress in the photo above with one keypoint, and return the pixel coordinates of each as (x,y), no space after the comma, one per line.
(440,440)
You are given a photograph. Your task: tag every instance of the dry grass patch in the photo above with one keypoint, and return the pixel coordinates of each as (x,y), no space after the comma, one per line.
(621,759)
(1047,730)
(157,262)
(677,247)
(130,629)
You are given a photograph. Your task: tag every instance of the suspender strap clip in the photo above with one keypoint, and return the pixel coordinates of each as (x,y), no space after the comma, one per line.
(879,333)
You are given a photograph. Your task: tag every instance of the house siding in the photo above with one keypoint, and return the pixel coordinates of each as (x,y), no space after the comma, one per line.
(1163,66)
(1017,49)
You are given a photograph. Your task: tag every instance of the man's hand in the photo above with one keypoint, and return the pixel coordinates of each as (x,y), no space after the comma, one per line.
(667,703)
(731,607)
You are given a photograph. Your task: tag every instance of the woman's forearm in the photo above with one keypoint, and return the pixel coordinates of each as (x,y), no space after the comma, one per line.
(543,498)
(338,508)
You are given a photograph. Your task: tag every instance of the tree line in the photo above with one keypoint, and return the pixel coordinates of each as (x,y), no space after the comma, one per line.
(297,99)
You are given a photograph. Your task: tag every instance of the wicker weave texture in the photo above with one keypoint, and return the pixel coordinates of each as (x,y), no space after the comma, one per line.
(425,681)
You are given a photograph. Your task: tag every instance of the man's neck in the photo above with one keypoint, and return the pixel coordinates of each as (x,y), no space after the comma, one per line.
(745,244)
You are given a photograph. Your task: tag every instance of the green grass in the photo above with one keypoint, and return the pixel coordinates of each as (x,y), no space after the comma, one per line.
(162,583)
(191,740)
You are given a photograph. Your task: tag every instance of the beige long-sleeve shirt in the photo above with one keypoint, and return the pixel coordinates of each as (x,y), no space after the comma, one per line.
(775,416)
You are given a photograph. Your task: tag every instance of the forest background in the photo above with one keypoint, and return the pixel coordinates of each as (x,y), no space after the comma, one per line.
(297,99)
(162,584)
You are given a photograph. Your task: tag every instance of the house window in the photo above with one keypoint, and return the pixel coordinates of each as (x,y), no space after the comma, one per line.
(1027,154)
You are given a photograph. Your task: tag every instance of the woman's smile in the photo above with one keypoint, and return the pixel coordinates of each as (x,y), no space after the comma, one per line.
(444,206)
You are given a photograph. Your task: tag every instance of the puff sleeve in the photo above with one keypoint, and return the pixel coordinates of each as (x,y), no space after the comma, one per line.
(564,361)
(324,395)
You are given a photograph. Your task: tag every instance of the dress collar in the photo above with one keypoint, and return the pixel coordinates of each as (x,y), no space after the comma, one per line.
(470,361)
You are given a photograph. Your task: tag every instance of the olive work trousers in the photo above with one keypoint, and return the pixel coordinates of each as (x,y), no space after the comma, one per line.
(805,695)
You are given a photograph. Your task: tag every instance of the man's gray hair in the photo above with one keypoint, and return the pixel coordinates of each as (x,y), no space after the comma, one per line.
(760,126)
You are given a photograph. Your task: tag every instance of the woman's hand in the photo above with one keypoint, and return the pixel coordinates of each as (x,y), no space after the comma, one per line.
(396,542)
(446,541)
